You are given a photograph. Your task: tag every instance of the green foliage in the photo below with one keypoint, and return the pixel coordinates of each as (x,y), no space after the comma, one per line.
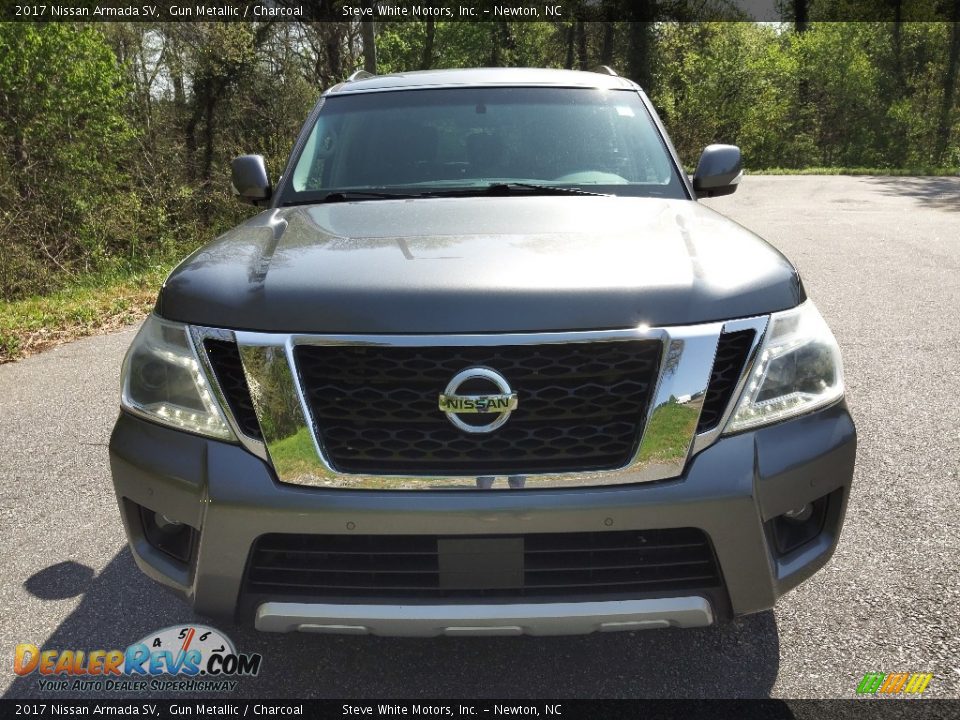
(842,87)
(115,139)
(839,94)
(400,45)
(721,82)
(63,137)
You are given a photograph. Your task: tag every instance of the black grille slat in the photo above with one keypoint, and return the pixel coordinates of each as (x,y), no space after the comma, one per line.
(566,560)
(581,406)
(346,588)
(346,564)
(340,571)
(606,541)
(225,360)
(574,564)
(732,351)
(625,566)
(628,584)
(356,552)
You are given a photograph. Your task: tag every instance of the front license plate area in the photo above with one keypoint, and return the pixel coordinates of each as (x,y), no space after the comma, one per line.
(480,563)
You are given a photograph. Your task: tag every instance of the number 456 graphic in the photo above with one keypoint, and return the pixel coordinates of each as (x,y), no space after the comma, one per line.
(197,637)
(191,650)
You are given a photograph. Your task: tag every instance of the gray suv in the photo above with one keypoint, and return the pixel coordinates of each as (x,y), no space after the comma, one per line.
(483,365)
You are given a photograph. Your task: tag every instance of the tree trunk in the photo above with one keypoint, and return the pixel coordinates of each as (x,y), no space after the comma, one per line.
(606,48)
(504,45)
(801,24)
(898,42)
(801,16)
(368,32)
(898,144)
(427,62)
(201,87)
(334,55)
(209,131)
(571,32)
(179,97)
(582,45)
(640,54)
(944,121)
(20,163)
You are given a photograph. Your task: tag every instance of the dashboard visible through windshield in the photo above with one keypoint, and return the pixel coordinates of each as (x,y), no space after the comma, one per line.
(454,141)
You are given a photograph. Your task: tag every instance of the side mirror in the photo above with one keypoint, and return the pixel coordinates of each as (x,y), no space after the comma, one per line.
(249,178)
(718,172)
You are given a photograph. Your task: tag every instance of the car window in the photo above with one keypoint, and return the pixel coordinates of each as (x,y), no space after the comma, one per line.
(599,140)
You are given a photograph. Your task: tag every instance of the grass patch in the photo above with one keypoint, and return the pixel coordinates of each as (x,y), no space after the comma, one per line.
(93,304)
(669,436)
(894,172)
(295,454)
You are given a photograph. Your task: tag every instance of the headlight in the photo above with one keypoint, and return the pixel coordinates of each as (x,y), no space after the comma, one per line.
(162,381)
(798,370)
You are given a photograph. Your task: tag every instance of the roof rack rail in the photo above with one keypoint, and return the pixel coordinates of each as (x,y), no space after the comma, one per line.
(359,75)
(605,70)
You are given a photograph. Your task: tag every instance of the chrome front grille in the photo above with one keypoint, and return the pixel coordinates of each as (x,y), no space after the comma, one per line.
(594,408)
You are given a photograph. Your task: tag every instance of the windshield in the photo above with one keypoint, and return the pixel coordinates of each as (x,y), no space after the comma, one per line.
(431,142)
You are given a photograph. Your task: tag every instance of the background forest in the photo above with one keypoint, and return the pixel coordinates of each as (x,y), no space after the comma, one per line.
(115,139)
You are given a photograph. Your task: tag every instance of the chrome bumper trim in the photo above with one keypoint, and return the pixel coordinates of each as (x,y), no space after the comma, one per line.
(512,619)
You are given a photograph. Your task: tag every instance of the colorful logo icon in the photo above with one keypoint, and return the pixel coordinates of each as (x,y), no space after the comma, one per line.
(178,650)
(878,683)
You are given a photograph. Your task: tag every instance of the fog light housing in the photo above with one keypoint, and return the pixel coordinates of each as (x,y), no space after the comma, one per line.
(800,514)
(169,536)
(798,526)
(165,524)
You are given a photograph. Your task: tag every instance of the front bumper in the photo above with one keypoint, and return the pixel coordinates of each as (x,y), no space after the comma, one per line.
(734,491)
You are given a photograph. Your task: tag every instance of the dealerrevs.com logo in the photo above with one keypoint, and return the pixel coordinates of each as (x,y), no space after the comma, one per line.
(185,658)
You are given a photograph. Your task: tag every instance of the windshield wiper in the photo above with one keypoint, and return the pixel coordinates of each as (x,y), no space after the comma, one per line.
(511,188)
(497,188)
(507,187)
(348,195)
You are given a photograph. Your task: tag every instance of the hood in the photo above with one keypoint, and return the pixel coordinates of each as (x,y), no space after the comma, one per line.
(480,264)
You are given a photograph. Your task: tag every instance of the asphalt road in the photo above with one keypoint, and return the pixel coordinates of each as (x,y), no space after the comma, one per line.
(881,257)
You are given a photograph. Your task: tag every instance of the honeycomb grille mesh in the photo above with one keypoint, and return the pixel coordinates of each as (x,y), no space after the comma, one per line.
(732,351)
(581,406)
(225,360)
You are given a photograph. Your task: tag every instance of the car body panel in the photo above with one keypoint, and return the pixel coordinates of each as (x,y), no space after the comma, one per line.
(480,264)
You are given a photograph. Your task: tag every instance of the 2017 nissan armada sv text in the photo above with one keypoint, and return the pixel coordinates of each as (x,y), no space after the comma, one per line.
(483,365)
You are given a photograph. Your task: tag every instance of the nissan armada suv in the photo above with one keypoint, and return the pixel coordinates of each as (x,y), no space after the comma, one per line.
(483,364)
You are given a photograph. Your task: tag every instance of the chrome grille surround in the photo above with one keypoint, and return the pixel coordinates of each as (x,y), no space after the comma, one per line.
(295,450)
